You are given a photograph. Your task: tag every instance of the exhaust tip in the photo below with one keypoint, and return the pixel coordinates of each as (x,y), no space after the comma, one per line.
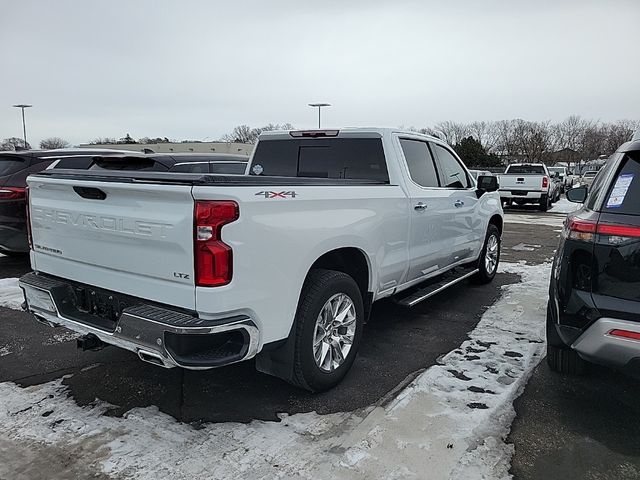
(151,357)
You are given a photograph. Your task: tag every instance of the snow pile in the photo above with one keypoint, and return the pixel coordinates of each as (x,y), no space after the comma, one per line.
(450,422)
(564,206)
(10,294)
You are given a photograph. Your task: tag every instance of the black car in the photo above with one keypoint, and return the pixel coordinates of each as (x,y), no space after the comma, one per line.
(593,314)
(220,163)
(15,167)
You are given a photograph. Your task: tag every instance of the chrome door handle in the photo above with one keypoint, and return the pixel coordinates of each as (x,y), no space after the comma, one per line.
(458,203)
(420,206)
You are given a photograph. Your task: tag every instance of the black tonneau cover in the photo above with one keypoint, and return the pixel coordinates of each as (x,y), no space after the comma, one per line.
(197,178)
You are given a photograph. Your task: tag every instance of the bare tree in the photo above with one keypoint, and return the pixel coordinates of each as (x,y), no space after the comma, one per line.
(486,133)
(618,133)
(103,141)
(246,134)
(453,132)
(52,143)
(14,143)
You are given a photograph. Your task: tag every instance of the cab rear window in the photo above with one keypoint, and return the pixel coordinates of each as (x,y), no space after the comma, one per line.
(526,169)
(354,158)
(624,194)
(10,164)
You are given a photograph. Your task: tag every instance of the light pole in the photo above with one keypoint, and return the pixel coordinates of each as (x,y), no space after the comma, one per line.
(24,127)
(319,106)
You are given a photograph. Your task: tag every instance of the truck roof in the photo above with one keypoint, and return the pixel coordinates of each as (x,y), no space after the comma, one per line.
(343,132)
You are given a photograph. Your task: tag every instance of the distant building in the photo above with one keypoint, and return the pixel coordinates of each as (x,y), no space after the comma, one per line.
(180,147)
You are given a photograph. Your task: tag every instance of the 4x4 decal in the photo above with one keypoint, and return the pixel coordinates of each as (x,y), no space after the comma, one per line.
(269,194)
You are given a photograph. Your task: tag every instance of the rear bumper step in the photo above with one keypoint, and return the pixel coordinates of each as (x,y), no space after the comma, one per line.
(158,335)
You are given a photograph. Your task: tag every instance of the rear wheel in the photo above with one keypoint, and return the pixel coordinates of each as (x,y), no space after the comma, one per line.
(489,257)
(544,203)
(329,323)
(560,357)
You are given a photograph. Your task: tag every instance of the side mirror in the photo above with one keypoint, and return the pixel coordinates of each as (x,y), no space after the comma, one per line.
(578,194)
(488,183)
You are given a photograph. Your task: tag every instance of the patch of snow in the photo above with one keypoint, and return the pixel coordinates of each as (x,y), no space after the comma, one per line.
(64,336)
(564,206)
(551,220)
(451,421)
(10,293)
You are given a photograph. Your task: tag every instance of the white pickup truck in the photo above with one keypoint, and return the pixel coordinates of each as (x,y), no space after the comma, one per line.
(282,264)
(528,183)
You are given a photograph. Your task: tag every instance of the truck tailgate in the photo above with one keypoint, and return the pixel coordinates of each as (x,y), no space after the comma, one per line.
(126,237)
(521,182)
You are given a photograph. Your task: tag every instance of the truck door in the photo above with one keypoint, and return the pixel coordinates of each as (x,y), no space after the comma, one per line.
(430,233)
(464,222)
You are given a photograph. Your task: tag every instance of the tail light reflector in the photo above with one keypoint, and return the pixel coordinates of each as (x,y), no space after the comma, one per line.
(12,193)
(625,334)
(213,259)
(545,182)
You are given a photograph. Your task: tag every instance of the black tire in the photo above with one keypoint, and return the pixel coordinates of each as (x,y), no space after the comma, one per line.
(485,275)
(544,203)
(560,357)
(565,360)
(318,288)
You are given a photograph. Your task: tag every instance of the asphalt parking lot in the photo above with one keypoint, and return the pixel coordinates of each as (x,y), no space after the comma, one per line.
(585,427)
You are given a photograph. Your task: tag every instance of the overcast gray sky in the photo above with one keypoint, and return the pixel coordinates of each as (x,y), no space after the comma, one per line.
(195,69)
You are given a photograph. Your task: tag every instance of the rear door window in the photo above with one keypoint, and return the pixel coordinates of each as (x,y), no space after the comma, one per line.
(420,162)
(10,164)
(354,158)
(624,193)
(451,172)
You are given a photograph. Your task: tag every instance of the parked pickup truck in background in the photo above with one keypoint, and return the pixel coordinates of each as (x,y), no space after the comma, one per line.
(527,183)
(283,264)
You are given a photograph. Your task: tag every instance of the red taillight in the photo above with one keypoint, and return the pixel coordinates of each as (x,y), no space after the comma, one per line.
(28,216)
(618,230)
(545,182)
(586,230)
(12,193)
(625,334)
(213,259)
(583,226)
(583,230)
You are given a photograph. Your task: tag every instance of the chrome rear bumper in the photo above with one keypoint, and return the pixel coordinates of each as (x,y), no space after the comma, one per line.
(158,335)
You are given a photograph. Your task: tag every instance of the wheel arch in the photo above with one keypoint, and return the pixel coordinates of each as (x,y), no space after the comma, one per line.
(350,260)
(498,221)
